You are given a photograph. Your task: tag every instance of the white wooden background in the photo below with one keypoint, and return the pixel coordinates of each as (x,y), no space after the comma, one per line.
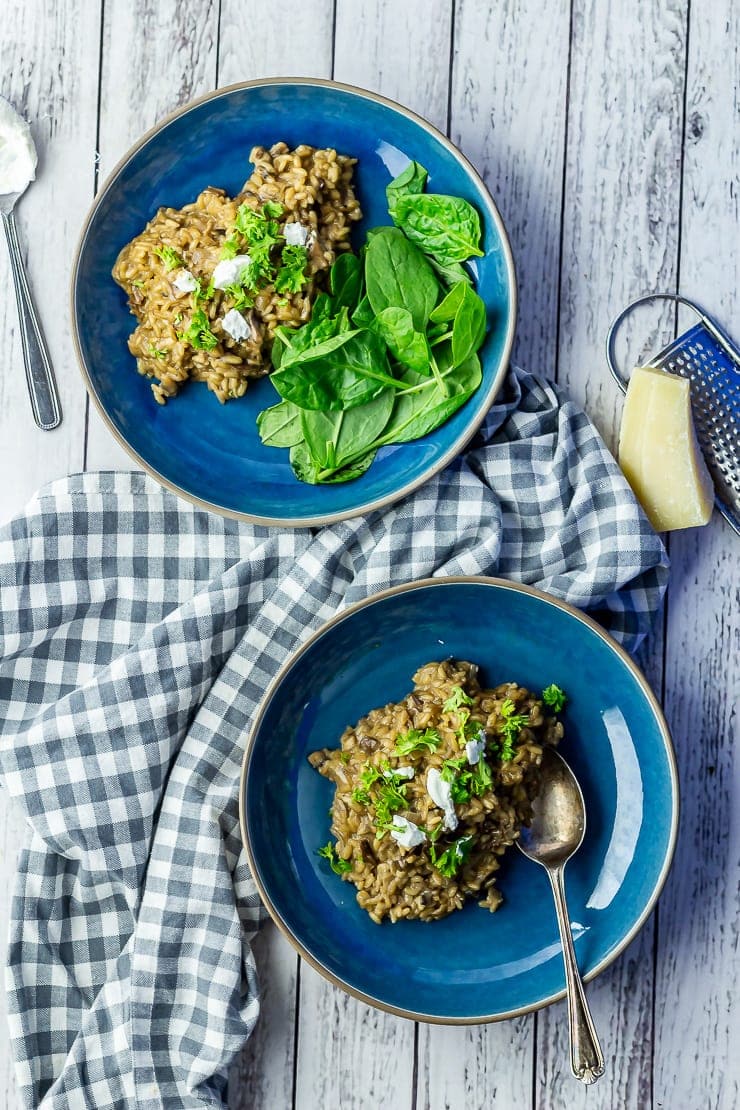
(609,134)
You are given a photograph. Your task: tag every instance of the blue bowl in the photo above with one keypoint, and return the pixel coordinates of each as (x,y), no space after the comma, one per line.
(211,453)
(471,966)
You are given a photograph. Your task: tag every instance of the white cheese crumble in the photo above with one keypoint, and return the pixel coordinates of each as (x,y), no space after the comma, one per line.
(441,794)
(406,833)
(401,772)
(185,282)
(236,326)
(18,156)
(228,270)
(297,235)
(474,748)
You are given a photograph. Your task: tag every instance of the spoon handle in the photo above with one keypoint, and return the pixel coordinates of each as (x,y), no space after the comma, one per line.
(39,374)
(586,1057)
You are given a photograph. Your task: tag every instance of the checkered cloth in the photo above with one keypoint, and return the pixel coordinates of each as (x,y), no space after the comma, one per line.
(137,635)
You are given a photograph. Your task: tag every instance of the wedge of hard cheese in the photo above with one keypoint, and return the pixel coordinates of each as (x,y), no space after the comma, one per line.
(659,453)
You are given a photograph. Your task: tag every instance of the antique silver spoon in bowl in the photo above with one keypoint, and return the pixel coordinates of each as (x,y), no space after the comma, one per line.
(555,834)
(17,170)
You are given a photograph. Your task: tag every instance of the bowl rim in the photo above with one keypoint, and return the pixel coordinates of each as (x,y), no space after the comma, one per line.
(498,583)
(486,401)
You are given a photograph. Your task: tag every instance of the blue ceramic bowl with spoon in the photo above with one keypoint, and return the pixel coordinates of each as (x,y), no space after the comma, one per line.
(211,453)
(472,966)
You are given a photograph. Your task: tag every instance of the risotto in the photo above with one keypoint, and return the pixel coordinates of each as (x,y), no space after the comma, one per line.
(432,790)
(210,282)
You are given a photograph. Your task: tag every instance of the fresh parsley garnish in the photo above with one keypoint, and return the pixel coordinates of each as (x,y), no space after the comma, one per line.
(139,283)
(457,698)
(201,294)
(453,858)
(291,277)
(458,774)
(512,725)
(272,209)
(258,233)
(415,741)
(198,333)
(553,696)
(155,352)
(361,794)
(338,866)
(345,757)
(482,778)
(389,798)
(170,257)
(241,297)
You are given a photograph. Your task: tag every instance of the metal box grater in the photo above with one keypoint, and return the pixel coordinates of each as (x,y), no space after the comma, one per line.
(710,360)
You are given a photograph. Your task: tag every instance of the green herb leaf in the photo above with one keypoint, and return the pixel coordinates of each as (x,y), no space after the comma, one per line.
(172,260)
(338,866)
(273,209)
(280,425)
(512,725)
(459,775)
(447,227)
(553,696)
(457,698)
(198,333)
(155,352)
(482,777)
(200,294)
(397,275)
(415,741)
(453,858)
(291,275)
(139,284)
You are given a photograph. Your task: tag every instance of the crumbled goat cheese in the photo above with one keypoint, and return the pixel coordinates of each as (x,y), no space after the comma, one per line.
(406,833)
(185,282)
(441,794)
(236,326)
(229,270)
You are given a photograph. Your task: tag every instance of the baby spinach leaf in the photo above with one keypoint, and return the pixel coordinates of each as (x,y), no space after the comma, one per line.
(397,275)
(450,272)
(466,310)
(339,373)
(280,425)
(447,227)
(335,437)
(411,180)
(448,306)
(469,328)
(345,280)
(306,470)
(363,315)
(304,467)
(417,413)
(406,344)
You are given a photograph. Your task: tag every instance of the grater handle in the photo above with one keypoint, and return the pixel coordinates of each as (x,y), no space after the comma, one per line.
(611,335)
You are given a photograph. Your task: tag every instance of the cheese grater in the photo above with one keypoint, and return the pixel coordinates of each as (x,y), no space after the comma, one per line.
(711,362)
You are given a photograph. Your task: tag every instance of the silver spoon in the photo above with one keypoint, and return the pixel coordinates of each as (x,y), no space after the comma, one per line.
(39,374)
(555,834)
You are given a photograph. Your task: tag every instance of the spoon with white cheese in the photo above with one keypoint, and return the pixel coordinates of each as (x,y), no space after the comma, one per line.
(17,169)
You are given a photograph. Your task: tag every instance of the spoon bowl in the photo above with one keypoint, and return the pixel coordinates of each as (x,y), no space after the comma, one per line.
(555,833)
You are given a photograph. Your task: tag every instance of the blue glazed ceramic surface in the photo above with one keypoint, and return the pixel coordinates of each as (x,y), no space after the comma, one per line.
(211,452)
(473,965)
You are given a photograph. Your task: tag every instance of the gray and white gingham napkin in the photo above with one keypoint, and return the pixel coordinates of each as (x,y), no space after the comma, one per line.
(137,635)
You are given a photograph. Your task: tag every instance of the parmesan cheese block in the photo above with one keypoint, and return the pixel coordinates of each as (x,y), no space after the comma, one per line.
(659,452)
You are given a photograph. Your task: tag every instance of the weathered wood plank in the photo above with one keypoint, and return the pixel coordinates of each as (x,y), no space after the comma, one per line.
(156,55)
(697,1010)
(48,70)
(620,238)
(298,44)
(399,50)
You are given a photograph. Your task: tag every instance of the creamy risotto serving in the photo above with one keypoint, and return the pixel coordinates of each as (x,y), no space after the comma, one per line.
(432,790)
